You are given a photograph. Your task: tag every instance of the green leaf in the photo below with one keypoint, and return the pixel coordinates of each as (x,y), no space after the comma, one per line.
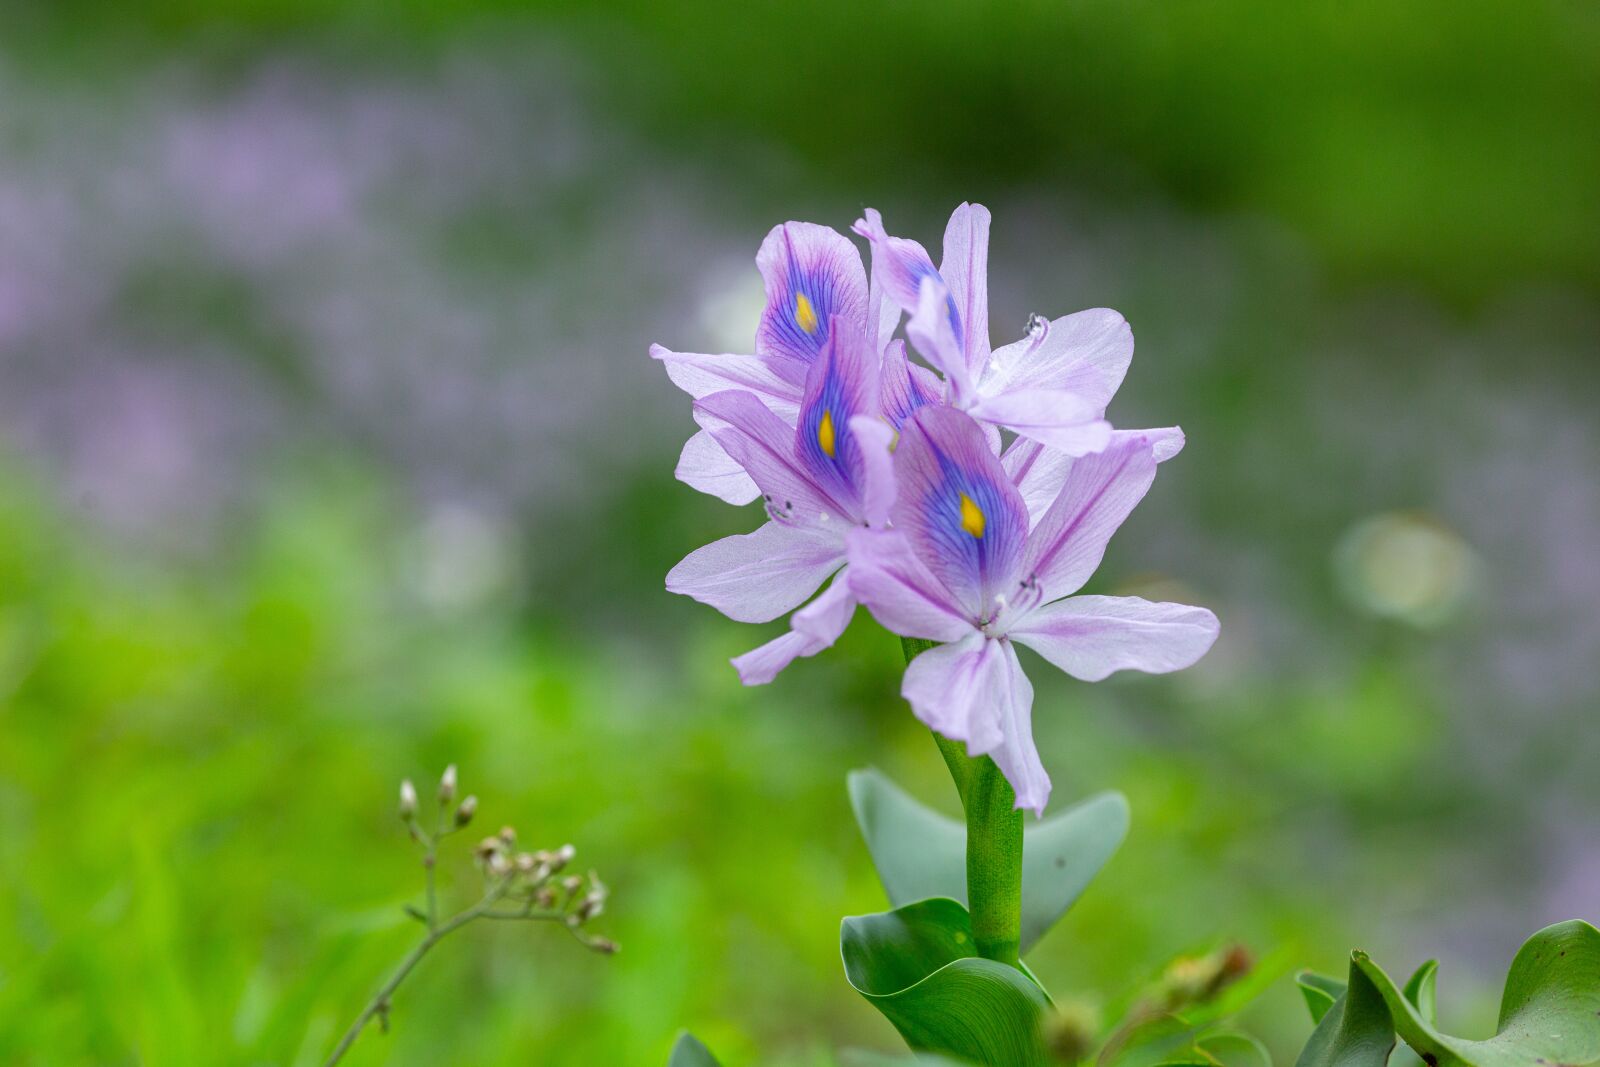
(1419,991)
(1153,1042)
(689,1052)
(1549,1014)
(1320,992)
(1354,1031)
(920,853)
(863,1058)
(917,966)
(1171,1041)
(1233,1048)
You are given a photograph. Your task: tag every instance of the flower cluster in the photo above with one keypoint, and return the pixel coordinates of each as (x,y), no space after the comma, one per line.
(516,884)
(963,501)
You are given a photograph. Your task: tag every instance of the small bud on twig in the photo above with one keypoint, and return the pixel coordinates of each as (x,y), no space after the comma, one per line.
(604,946)
(447,785)
(408,801)
(1198,979)
(468,808)
(508,835)
(595,902)
(1236,963)
(1070,1031)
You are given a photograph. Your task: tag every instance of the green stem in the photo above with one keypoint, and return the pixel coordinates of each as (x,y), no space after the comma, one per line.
(378,1006)
(994,843)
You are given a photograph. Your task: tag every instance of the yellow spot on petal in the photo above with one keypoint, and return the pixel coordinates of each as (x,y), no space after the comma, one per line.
(972,519)
(805,315)
(825,436)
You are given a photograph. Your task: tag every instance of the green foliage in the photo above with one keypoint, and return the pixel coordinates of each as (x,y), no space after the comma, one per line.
(920,853)
(689,1052)
(1320,992)
(1549,1013)
(1354,1030)
(1171,1041)
(862,1058)
(1232,1048)
(200,859)
(1420,991)
(917,965)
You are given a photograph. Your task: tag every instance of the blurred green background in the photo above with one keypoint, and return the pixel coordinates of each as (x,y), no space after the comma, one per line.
(330,453)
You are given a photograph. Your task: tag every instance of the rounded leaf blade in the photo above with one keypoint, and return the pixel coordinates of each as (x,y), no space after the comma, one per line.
(920,853)
(917,966)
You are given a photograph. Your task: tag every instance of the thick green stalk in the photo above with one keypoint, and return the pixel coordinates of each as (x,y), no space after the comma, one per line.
(994,843)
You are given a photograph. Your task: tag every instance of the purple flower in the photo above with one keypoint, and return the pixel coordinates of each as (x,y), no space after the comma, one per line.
(813,278)
(827,473)
(1051,387)
(966,562)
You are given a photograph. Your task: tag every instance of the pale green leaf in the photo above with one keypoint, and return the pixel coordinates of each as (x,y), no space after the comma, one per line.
(689,1052)
(920,853)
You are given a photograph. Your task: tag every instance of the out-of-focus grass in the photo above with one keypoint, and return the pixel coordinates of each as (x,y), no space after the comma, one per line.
(201,861)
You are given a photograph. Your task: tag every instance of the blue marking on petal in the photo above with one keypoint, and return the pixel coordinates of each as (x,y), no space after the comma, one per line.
(803,325)
(903,390)
(834,472)
(902,404)
(949,527)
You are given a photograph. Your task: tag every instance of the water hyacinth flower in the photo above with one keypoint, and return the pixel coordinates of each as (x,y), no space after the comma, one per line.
(1052,386)
(963,562)
(819,478)
(812,276)
(824,359)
